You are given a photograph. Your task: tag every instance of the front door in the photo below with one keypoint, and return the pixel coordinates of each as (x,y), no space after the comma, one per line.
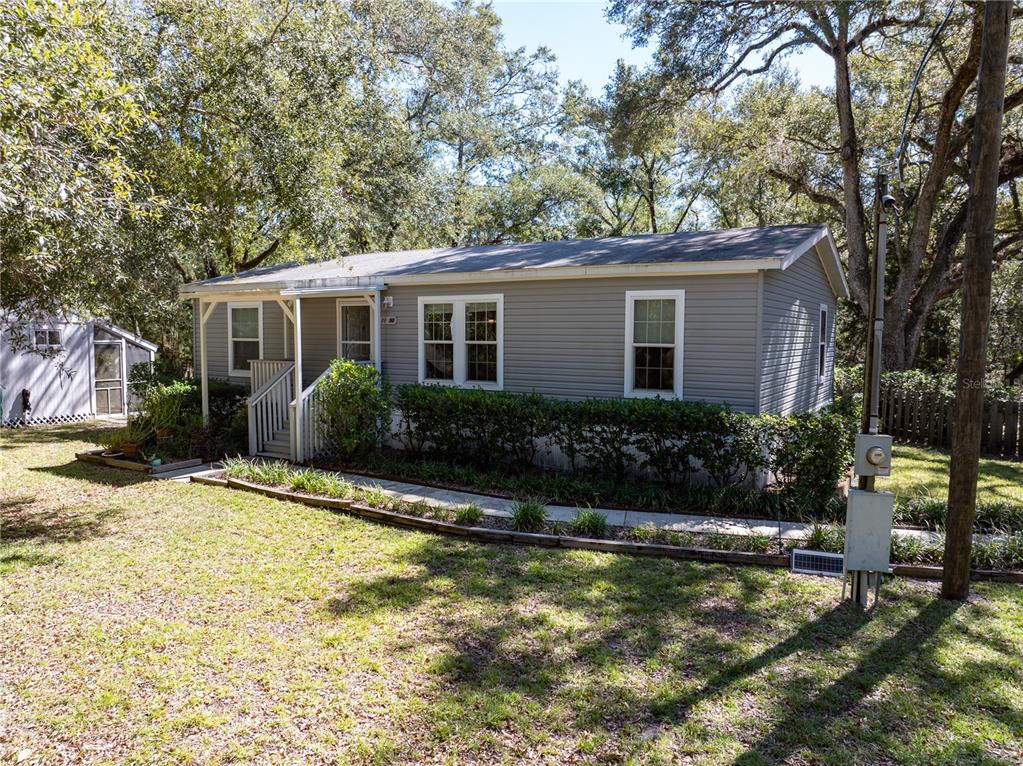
(109,379)
(355,338)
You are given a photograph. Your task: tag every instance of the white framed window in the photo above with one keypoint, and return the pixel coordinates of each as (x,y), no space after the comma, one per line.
(461,340)
(46,337)
(244,336)
(822,344)
(355,330)
(654,324)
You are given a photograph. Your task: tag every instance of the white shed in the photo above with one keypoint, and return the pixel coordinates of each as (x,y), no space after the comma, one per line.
(64,370)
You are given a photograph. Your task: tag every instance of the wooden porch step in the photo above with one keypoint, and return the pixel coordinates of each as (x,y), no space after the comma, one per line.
(274,454)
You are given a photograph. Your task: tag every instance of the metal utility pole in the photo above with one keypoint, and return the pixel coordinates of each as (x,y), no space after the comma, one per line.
(869,513)
(875,318)
(977,269)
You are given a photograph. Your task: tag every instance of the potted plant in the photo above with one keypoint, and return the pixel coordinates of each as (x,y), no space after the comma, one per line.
(133,437)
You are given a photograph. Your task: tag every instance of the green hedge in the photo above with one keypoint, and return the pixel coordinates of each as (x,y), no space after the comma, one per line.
(616,438)
(356,406)
(849,384)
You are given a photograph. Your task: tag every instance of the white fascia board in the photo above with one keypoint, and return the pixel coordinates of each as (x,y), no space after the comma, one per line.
(330,292)
(128,336)
(327,287)
(587,272)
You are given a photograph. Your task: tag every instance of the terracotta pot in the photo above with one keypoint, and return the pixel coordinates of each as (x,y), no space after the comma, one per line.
(163,433)
(130,449)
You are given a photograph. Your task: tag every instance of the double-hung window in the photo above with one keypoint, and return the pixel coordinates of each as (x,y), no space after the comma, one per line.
(46,338)
(244,336)
(653,342)
(461,340)
(822,344)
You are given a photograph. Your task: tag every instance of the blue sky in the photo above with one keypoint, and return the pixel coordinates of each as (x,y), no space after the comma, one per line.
(587,45)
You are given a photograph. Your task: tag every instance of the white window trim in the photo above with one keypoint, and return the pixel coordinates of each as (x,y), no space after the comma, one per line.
(372,326)
(822,342)
(230,335)
(48,329)
(461,365)
(631,296)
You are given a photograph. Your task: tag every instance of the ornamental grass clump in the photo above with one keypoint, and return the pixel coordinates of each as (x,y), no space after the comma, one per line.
(376,498)
(337,488)
(309,481)
(825,537)
(589,523)
(275,474)
(238,468)
(529,515)
(469,515)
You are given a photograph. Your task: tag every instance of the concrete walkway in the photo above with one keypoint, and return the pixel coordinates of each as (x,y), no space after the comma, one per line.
(676,522)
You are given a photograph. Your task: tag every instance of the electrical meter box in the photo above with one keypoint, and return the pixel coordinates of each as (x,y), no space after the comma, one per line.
(873,455)
(868,531)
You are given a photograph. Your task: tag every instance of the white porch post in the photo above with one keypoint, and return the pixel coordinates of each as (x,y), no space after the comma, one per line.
(204,315)
(377,337)
(297,414)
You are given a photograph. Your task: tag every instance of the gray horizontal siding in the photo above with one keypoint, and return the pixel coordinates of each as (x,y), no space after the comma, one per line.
(217,340)
(319,338)
(791,306)
(566,338)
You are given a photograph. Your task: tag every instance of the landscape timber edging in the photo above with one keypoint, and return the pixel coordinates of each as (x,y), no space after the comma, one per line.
(483,534)
(96,456)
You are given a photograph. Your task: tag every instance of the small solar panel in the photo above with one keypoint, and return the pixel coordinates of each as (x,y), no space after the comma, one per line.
(818,562)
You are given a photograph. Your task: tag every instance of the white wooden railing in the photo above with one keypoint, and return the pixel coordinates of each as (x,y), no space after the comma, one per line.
(263,370)
(307,439)
(269,407)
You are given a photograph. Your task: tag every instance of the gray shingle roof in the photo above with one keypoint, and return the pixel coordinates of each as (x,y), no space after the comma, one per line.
(679,247)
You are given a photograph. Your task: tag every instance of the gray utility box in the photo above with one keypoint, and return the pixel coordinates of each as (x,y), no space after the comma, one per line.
(873,455)
(868,531)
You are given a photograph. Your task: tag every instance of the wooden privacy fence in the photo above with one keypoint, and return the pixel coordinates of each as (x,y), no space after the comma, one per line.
(925,418)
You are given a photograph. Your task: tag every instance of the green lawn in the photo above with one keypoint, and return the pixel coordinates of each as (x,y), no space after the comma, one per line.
(918,470)
(157,622)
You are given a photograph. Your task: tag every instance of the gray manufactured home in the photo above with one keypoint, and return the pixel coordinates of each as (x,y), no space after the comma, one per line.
(65,369)
(744,317)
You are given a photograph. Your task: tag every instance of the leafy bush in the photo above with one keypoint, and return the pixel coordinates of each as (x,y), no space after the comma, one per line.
(599,431)
(166,405)
(480,427)
(589,523)
(356,407)
(529,515)
(810,452)
(469,515)
(730,445)
(667,436)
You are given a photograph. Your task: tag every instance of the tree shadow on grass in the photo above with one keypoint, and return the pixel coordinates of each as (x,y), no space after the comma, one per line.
(74,432)
(24,521)
(514,627)
(95,473)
